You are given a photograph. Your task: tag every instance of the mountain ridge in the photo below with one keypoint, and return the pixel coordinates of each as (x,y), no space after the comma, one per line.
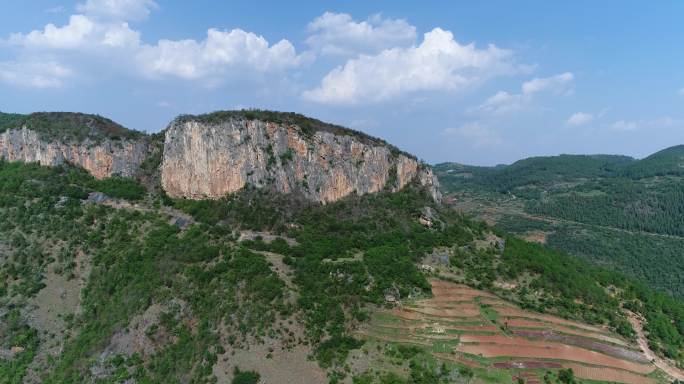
(211,155)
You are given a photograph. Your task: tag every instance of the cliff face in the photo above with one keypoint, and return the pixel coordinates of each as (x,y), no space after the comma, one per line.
(210,156)
(102,159)
(210,160)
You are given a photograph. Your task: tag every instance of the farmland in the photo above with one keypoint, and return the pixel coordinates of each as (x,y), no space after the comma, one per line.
(468,327)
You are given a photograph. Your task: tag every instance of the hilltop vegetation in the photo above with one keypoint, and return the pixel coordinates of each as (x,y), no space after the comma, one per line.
(68,126)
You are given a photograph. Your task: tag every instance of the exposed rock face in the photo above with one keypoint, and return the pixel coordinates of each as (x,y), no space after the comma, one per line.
(203,160)
(102,159)
(210,160)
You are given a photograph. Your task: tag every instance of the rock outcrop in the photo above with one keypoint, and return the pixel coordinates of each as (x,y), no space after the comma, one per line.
(102,158)
(209,160)
(210,156)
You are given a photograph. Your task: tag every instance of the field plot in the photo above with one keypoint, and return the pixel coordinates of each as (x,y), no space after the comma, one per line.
(469,327)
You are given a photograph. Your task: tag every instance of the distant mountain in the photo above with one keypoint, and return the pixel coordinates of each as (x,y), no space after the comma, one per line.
(606,196)
(537,170)
(669,161)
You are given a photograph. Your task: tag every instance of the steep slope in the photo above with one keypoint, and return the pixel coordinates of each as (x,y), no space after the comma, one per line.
(211,156)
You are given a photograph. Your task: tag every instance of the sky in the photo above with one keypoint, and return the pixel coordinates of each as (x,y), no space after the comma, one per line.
(475,82)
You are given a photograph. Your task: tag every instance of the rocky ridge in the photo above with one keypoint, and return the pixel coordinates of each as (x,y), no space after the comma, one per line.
(207,158)
(102,159)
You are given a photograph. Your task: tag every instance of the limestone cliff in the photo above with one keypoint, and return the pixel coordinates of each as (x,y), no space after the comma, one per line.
(209,159)
(102,158)
(210,156)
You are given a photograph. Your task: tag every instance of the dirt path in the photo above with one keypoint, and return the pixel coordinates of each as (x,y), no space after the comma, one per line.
(659,362)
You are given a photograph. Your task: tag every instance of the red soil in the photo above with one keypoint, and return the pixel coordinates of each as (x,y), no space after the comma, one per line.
(553,351)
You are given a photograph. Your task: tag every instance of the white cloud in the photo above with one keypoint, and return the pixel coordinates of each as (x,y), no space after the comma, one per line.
(580,118)
(81,32)
(221,50)
(72,35)
(438,63)
(559,83)
(339,34)
(504,102)
(115,43)
(33,75)
(118,9)
(477,134)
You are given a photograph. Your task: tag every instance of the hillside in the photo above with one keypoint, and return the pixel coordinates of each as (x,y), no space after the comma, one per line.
(111,280)
(612,210)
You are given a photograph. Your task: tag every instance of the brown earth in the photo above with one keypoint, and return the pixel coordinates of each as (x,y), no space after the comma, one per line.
(524,323)
(607,374)
(559,352)
(583,342)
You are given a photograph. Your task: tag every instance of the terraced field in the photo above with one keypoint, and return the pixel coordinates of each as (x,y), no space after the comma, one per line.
(477,329)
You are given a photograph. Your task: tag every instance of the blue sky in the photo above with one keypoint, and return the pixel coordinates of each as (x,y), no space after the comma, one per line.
(472,82)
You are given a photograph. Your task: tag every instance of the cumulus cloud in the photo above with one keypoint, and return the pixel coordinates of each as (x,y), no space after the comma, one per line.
(580,118)
(81,32)
(477,134)
(118,9)
(504,102)
(33,75)
(220,51)
(438,63)
(338,34)
(112,41)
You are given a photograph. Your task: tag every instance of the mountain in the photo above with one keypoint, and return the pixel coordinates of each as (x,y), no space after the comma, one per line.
(212,261)
(209,156)
(536,170)
(669,161)
(613,210)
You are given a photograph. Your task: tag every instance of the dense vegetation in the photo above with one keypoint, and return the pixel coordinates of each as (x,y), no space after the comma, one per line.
(532,171)
(654,206)
(204,294)
(603,207)
(67,125)
(653,259)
